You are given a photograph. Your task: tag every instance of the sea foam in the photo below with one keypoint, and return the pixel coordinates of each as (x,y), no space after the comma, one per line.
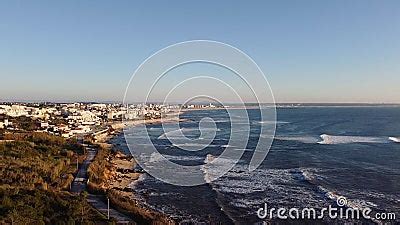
(395,139)
(303,139)
(332,139)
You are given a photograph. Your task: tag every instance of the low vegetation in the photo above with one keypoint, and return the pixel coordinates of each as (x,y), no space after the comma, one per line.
(36,170)
(37,160)
(99,170)
(22,206)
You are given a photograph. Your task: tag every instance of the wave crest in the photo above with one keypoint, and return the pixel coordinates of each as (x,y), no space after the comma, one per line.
(395,139)
(332,139)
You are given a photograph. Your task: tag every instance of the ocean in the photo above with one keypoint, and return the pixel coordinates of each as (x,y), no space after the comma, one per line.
(318,154)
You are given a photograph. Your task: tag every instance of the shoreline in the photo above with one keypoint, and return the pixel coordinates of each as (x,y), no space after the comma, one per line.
(120,176)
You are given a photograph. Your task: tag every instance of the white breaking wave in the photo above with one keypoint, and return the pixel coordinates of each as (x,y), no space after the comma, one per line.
(194,145)
(272,122)
(350,203)
(225,146)
(141,178)
(183,158)
(164,135)
(208,175)
(338,139)
(178,133)
(332,139)
(307,174)
(335,196)
(209,158)
(395,139)
(156,157)
(244,149)
(304,139)
(240,180)
(213,166)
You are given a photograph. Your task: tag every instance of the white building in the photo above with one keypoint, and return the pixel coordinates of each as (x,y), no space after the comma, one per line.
(7,123)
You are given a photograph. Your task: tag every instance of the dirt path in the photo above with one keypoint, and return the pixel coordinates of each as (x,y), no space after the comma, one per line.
(80,184)
(97,202)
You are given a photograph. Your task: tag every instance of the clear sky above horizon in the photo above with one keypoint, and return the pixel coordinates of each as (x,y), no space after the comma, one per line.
(310,51)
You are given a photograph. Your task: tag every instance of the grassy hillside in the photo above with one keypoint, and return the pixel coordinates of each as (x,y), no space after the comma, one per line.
(36,170)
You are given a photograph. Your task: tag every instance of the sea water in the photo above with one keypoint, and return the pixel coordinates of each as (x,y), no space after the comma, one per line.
(318,154)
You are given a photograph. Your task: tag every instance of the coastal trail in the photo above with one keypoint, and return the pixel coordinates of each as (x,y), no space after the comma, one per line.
(80,184)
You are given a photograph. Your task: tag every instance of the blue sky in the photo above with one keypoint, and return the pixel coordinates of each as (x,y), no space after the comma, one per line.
(310,51)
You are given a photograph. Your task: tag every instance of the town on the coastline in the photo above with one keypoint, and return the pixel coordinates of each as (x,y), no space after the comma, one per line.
(78,119)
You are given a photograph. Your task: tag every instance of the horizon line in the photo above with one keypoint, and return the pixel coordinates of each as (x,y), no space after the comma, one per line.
(179,103)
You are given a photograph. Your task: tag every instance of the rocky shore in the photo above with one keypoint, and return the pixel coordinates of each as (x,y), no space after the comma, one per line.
(112,174)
